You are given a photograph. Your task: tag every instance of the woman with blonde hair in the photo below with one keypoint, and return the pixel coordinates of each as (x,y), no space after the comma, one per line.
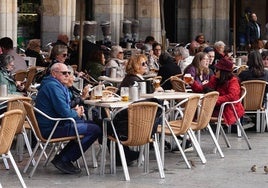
(135,68)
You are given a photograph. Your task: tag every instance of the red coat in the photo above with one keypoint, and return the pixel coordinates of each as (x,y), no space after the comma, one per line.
(230,91)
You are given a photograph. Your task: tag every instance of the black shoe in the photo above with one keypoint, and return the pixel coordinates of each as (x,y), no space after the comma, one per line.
(65,167)
(188,147)
(167,145)
(131,157)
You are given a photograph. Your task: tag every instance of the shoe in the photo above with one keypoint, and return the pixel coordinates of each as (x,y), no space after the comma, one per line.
(167,145)
(248,125)
(65,167)
(188,147)
(131,157)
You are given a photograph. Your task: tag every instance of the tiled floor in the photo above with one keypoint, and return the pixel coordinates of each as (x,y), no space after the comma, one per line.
(232,171)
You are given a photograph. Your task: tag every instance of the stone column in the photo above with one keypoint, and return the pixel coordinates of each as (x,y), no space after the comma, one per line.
(210,17)
(9,19)
(117,15)
(148,13)
(58,17)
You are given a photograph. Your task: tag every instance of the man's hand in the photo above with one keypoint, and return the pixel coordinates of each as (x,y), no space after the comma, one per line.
(80,110)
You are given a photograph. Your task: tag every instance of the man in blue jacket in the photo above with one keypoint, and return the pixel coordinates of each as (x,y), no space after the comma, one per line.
(53,99)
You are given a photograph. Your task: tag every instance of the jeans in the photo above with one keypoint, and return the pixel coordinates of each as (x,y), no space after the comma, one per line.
(71,152)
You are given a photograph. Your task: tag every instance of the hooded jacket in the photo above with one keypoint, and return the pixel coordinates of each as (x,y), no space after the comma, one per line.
(54,100)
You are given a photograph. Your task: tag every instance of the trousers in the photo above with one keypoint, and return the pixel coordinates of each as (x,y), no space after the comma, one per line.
(71,152)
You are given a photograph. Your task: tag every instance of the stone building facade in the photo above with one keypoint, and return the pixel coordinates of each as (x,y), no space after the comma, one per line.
(184,19)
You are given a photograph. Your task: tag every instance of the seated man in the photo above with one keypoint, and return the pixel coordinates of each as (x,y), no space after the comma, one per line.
(54,100)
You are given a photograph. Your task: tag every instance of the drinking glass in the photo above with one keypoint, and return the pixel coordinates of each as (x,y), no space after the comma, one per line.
(124,93)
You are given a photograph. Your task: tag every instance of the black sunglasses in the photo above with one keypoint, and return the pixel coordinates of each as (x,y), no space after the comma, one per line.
(64,55)
(144,64)
(64,72)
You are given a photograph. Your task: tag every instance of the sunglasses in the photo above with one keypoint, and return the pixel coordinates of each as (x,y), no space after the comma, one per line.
(64,72)
(144,64)
(64,55)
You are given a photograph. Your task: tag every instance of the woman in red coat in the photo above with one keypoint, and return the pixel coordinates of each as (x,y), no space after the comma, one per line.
(228,87)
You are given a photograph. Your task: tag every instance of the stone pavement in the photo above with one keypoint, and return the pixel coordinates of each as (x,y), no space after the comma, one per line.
(232,171)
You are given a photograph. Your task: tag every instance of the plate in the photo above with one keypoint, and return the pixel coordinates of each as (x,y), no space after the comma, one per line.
(109,100)
(169,91)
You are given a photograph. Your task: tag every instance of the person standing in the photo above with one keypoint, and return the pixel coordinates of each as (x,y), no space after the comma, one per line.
(54,100)
(6,44)
(253,30)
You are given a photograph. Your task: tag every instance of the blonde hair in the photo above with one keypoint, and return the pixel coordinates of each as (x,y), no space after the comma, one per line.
(134,63)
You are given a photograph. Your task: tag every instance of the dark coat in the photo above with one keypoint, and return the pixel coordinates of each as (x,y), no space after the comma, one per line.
(166,71)
(252,32)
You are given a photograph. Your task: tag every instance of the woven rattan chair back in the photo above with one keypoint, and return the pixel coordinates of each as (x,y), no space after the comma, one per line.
(177,84)
(141,117)
(30,77)
(255,94)
(16,103)
(7,132)
(207,105)
(20,75)
(188,114)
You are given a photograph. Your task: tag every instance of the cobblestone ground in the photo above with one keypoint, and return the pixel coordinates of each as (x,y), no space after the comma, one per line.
(232,171)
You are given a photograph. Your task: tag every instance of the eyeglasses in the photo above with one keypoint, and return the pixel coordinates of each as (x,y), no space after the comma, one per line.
(64,55)
(64,72)
(144,64)
(120,52)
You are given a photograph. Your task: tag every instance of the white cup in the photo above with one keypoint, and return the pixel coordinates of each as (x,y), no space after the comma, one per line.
(3,90)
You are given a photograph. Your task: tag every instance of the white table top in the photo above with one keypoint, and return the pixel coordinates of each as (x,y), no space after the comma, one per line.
(99,103)
(169,95)
(10,96)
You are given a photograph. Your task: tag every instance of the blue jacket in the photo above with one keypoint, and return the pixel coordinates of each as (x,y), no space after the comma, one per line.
(54,100)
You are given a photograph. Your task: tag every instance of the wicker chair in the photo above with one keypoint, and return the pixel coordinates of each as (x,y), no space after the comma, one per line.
(253,101)
(220,120)
(7,132)
(41,140)
(20,75)
(30,78)
(181,126)
(16,103)
(141,116)
(177,84)
(207,105)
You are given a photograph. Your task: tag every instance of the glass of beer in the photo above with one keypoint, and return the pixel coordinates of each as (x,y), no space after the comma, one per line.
(124,93)
(156,83)
(187,78)
(98,92)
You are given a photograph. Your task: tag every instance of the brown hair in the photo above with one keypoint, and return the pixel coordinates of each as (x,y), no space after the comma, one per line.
(134,63)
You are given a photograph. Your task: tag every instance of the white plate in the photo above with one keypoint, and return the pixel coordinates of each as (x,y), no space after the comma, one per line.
(109,100)
(169,91)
